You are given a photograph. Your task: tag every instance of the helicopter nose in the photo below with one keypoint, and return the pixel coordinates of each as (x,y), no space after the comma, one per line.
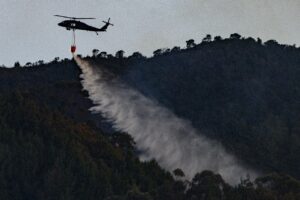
(60,24)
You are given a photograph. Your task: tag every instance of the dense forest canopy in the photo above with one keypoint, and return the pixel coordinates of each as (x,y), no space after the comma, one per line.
(239,91)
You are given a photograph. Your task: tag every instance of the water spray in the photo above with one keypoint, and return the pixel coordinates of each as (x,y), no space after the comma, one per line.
(159,134)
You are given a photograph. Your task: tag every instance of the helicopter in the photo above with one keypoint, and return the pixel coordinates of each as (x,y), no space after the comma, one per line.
(75,24)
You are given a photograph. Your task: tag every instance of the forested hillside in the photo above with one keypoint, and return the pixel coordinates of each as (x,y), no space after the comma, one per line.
(237,91)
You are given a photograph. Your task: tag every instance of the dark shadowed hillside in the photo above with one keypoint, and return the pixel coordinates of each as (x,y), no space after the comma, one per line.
(239,92)
(46,155)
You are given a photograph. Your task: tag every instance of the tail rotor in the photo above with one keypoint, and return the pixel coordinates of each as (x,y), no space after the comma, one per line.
(108,22)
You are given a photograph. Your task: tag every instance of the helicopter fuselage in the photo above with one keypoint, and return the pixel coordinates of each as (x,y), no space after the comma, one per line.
(78,25)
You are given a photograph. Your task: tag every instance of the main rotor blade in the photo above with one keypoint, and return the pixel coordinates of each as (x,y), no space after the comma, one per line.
(74,17)
(63,16)
(84,18)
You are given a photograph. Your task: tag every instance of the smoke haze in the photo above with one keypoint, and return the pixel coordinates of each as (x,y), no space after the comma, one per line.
(158,133)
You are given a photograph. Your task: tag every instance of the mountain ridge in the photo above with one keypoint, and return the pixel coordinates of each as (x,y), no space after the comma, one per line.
(55,88)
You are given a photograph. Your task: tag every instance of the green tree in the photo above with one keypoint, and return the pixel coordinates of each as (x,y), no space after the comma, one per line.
(235,36)
(190,43)
(207,38)
(120,54)
(95,52)
(17,65)
(178,173)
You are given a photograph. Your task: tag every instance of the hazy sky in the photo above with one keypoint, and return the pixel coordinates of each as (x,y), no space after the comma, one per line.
(29,31)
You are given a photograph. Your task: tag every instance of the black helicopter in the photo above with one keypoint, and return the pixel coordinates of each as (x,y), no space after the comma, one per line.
(74,24)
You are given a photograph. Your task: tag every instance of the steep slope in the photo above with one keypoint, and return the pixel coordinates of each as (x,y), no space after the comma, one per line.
(55,84)
(51,147)
(159,134)
(46,155)
(240,92)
